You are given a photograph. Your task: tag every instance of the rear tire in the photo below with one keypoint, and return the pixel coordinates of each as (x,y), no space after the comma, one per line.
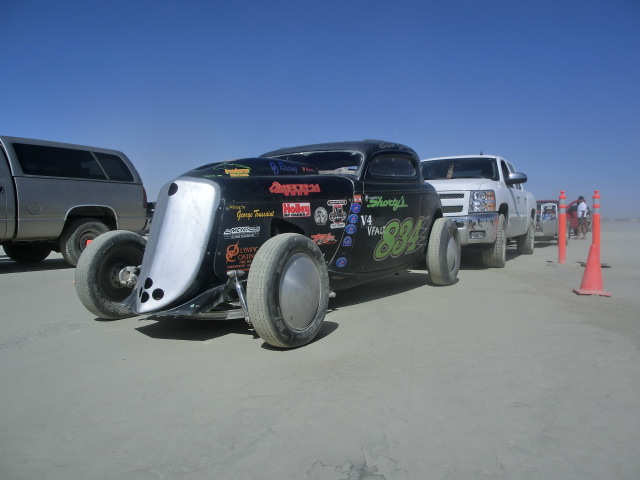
(288,291)
(526,243)
(443,252)
(27,253)
(97,283)
(77,235)
(496,256)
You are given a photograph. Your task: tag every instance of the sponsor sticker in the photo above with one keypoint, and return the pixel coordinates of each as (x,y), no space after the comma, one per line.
(230,169)
(323,239)
(356,207)
(347,242)
(337,215)
(350,229)
(237,172)
(281,167)
(321,216)
(239,258)
(394,203)
(296,210)
(341,262)
(241,232)
(353,218)
(294,188)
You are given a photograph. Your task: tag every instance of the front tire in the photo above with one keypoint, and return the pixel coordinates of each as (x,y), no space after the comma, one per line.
(496,256)
(77,235)
(97,282)
(525,243)
(27,253)
(443,252)
(288,291)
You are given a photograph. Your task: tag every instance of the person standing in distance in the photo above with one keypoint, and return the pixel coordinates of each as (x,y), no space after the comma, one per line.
(582,217)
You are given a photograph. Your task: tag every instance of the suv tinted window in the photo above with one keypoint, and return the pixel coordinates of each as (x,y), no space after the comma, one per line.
(57,162)
(114,166)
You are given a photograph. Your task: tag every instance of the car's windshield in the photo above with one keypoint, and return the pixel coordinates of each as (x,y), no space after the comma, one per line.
(460,168)
(332,163)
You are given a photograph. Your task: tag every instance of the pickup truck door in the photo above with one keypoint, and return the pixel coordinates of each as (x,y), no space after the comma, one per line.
(388,229)
(518,215)
(3,197)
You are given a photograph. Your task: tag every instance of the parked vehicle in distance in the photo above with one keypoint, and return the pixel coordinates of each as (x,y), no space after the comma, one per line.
(546,225)
(483,195)
(547,216)
(301,221)
(59,197)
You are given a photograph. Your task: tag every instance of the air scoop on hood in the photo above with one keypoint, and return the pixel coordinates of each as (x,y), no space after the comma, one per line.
(178,243)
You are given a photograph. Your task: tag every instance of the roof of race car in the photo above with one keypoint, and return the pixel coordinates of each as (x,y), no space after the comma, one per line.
(367,147)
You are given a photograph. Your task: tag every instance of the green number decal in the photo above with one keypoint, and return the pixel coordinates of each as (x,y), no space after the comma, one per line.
(402,238)
(399,238)
(414,238)
(384,247)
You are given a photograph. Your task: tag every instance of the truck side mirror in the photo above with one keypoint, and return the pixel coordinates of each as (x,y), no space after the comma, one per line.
(515,178)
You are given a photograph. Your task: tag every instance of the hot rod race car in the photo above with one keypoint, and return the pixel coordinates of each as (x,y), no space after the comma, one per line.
(301,222)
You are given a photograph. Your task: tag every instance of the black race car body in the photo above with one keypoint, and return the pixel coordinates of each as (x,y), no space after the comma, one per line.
(353,211)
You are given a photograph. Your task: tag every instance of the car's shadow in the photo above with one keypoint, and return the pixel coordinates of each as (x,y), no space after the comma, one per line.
(472,260)
(9,266)
(190,329)
(381,288)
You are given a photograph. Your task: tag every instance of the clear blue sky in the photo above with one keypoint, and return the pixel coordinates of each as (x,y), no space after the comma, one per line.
(552,85)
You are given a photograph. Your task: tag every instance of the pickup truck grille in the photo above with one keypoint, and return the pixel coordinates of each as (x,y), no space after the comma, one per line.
(451,208)
(447,196)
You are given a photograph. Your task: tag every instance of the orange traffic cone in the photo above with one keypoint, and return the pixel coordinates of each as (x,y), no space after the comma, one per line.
(592,278)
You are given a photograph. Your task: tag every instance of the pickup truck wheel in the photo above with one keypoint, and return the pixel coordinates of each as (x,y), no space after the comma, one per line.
(525,243)
(26,253)
(77,235)
(496,256)
(288,290)
(443,252)
(97,283)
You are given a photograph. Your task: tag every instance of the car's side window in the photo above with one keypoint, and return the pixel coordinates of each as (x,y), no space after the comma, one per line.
(392,167)
(114,166)
(57,162)
(505,172)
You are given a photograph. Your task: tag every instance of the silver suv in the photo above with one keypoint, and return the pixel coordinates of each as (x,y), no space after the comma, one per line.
(59,197)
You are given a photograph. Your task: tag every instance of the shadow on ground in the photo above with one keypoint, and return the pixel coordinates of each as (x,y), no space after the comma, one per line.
(190,329)
(185,328)
(9,266)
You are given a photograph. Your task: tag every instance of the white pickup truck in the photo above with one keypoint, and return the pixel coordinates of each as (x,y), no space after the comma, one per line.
(483,195)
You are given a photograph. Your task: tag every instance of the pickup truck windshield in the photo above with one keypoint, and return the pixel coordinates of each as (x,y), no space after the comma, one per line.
(460,168)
